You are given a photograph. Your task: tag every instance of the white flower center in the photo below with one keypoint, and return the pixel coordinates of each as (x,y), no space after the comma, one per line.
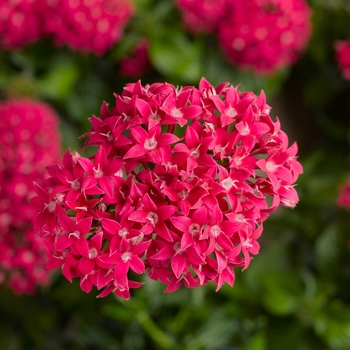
(194,229)
(92,253)
(123,232)
(228,183)
(75,185)
(98,173)
(150,144)
(153,218)
(231,112)
(176,113)
(270,166)
(215,230)
(183,194)
(126,256)
(51,206)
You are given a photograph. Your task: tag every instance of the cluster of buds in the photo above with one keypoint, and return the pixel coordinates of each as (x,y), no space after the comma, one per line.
(179,188)
(29,141)
(342,51)
(262,35)
(83,25)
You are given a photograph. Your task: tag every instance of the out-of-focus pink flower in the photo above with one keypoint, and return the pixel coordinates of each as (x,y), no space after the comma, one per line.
(185,209)
(87,25)
(29,141)
(20,22)
(137,63)
(265,35)
(342,54)
(202,16)
(343,199)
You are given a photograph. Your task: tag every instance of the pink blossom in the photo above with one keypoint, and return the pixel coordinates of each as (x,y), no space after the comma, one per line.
(264,35)
(343,199)
(179,188)
(29,141)
(20,22)
(202,16)
(137,63)
(342,54)
(87,26)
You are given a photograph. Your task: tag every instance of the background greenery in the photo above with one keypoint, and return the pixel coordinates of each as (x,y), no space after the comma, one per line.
(295,294)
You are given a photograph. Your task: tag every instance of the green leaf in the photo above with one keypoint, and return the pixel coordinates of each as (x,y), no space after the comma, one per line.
(58,82)
(176,57)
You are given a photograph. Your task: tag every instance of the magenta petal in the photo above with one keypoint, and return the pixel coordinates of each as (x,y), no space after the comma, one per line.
(137,265)
(86,265)
(178,264)
(138,216)
(103,278)
(166,211)
(136,151)
(121,270)
(164,253)
(163,231)
(111,226)
(87,165)
(85,284)
(81,246)
(106,185)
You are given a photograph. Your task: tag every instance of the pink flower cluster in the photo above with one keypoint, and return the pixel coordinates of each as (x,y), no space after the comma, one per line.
(343,199)
(202,16)
(20,23)
(342,51)
(84,25)
(137,63)
(262,35)
(179,187)
(265,35)
(29,141)
(87,25)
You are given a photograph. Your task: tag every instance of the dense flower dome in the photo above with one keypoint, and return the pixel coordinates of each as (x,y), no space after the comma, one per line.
(342,50)
(29,141)
(20,23)
(87,25)
(201,16)
(265,35)
(179,187)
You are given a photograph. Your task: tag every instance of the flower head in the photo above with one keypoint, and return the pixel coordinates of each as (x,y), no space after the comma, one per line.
(342,54)
(202,16)
(88,26)
(29,141)
(264,35)
(20,22)
(179,188)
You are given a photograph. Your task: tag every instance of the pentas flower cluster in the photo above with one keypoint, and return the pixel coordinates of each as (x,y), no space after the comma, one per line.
(343,199)
(29,141)
(202,16)
(265,35)
(342,51)
(84,25)
(136,64)
(19,22)
(179,187)
(87,25)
